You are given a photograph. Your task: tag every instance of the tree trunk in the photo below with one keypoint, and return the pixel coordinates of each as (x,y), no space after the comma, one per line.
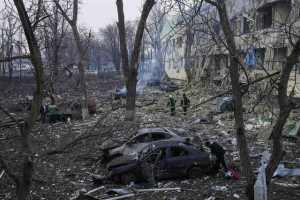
(285,106)
(81,66)
(10,72)
(237,99)
(187,56)
(130,99)
(27,126)
(130,71)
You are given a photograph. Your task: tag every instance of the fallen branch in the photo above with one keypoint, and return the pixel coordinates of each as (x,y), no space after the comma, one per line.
(89,192)
(121,197)
(12,117)
(9,173)
(291,137)
(2,173)
(229,91)
(73,142)
(145,190)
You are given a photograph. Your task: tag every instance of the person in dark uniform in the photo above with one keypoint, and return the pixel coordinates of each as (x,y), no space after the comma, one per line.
(43,111)
(185,103)
(171,104)
(219,152)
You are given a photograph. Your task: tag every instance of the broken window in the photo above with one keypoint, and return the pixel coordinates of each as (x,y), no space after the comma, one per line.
(279,58)
(235,25)
(216,27)
(260,58)
(179,42)
(264,17)
(246,26)
(142,138)
(158,136)
(177,151)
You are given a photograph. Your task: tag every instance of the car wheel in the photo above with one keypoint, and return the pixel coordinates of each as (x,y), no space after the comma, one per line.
(195,172)
(128,177)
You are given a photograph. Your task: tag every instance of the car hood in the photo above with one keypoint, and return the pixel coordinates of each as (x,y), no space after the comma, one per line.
(126,149)
(122,160)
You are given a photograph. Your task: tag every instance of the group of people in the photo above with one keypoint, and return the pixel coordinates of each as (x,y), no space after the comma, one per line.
(215,148)
(48,111)
(185,103)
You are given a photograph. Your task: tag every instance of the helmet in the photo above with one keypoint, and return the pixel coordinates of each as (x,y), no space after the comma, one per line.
(170,96)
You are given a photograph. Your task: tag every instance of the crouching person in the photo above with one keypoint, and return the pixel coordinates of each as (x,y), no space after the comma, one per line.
(219,152)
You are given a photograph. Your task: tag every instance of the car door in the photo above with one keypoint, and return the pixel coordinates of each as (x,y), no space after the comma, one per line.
(136,143)
(154,161)
(178,161)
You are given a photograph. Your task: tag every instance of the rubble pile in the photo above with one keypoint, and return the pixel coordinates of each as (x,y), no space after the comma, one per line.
(67,174)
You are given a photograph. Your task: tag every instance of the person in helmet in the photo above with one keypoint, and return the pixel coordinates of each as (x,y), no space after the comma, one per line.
(171,104)
(185,103)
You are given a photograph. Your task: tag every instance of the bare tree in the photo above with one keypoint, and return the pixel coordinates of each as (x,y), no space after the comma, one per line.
(24,183)
(81,51)
(131,69)
(111,41)
(156,22)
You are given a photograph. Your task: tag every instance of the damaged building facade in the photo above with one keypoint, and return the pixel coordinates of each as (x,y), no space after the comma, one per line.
(264,27)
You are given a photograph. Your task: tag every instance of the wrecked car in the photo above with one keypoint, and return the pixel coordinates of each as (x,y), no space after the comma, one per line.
(122,94)
(23,105)
(169,86)
(122,160)
(138,142)
(68,112)
(171,161)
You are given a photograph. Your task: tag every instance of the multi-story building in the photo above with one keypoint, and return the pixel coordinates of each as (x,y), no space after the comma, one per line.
(268,25)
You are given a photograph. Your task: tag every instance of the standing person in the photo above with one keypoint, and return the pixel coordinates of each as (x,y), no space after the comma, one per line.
(185,103)
(52,113)
(43,112)
(171,104)
(219,152)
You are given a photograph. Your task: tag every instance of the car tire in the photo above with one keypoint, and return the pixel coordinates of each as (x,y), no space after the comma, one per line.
(128,177)
(195,172)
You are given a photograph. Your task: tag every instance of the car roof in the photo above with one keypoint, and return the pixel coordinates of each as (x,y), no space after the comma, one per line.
(156,129)
(165,144)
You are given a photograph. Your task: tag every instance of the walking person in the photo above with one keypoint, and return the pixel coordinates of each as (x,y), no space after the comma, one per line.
(171,104)
(185,103)
(219,152)
(43,111)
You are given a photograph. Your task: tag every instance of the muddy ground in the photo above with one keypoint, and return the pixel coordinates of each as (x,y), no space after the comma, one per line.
(63,175)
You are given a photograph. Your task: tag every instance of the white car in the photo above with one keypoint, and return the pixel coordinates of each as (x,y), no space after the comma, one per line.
(139,141)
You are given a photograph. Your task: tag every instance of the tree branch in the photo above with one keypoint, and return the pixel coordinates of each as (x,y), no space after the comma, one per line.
(63,12)
(8,114)
(9,173)
(212,2)
(8,59)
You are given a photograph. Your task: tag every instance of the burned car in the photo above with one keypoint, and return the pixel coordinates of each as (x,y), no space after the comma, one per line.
(69,110)
(122,94)
(169,86)
(169,161)
(138,142)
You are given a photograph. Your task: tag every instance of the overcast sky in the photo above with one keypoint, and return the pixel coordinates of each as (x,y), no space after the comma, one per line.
(98,13)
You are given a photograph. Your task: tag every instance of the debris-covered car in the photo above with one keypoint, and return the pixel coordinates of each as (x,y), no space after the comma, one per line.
(73,110)
(23,105)
(138,142)
(169,86)
(173,160)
